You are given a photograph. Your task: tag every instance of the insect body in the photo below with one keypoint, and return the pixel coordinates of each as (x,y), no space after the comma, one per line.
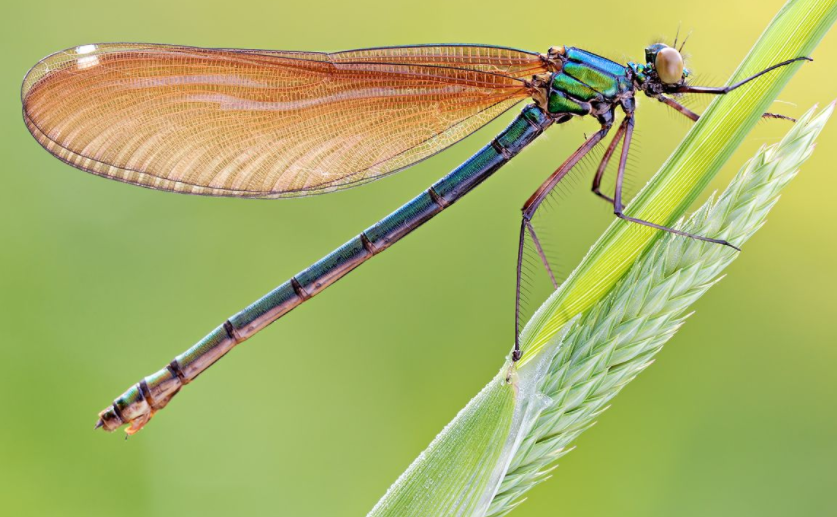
(272,124)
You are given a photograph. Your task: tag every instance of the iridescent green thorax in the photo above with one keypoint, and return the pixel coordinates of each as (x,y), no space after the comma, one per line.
(588,84)
(640,72)
(582,83)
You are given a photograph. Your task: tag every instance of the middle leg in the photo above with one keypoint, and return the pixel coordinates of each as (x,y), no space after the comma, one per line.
(597,179)
(668,101)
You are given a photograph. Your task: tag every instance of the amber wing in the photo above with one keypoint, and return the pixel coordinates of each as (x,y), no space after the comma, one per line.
(253,123)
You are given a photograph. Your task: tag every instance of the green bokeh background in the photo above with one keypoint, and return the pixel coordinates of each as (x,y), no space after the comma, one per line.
(102,283)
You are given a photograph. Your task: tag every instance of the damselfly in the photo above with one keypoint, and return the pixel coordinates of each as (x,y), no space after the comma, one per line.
(274,124)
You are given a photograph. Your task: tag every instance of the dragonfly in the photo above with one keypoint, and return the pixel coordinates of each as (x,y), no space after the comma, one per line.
(278,124)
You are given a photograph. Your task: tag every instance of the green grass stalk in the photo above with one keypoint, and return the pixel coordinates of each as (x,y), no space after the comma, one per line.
(619,336)
(795,31)
(508,437)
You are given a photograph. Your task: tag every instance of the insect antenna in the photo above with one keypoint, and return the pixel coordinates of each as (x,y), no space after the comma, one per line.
(682,44)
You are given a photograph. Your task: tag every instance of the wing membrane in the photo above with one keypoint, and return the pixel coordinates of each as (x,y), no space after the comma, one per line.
(256,123)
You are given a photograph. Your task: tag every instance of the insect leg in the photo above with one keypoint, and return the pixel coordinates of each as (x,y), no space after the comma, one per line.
(721,90)
(597,180)
(541,254)
(529,209)
(617,203)
(517,353)
(694,116)
(678,107)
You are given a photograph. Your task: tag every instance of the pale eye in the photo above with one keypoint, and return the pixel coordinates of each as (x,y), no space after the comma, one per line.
(669,65)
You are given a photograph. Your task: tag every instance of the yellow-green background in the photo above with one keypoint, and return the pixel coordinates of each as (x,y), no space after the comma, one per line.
(102,283)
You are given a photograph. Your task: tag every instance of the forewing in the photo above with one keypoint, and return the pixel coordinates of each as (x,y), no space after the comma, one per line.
(255,123)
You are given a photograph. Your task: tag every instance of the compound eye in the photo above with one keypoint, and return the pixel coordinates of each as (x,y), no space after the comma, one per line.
(669,65)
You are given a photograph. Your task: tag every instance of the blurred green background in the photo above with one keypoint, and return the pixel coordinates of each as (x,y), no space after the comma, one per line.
(102,283)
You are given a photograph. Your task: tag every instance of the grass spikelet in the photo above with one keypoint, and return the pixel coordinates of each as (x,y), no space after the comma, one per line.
(620,335)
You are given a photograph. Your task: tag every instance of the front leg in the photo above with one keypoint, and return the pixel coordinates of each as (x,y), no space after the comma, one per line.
(723,90)
(720,90)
